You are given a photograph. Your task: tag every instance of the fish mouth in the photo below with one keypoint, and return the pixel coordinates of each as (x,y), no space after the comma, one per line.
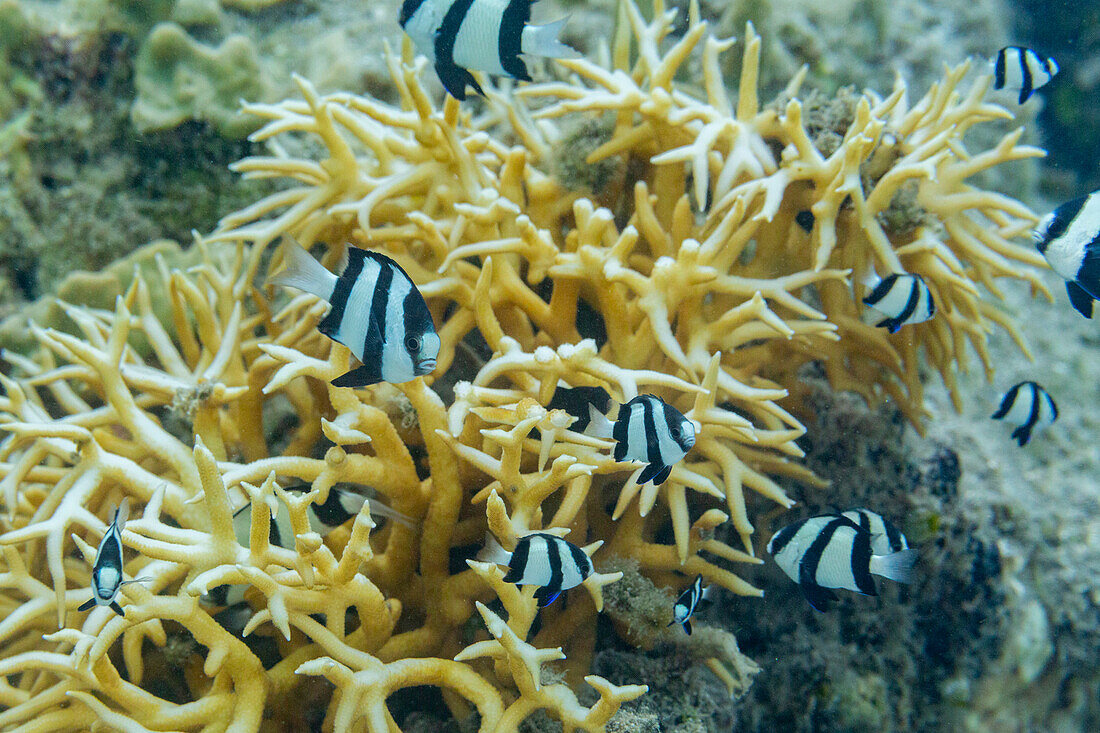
(427,366)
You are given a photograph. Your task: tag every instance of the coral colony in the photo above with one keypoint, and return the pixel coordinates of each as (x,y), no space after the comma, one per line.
(721,251)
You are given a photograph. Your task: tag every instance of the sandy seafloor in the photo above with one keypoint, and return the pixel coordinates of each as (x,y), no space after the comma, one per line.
(1002,630)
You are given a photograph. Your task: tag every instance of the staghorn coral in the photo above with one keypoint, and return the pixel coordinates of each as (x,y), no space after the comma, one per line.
(687,274)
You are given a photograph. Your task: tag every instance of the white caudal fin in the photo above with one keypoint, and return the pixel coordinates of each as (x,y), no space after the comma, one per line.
(493,552)
(896,566)
(598,424)
(304,273)
(122,513)
(542,40)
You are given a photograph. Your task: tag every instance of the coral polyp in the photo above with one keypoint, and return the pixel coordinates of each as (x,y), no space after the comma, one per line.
(692,272)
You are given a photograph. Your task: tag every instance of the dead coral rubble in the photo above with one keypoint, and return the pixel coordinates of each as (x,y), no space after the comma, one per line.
(688,275)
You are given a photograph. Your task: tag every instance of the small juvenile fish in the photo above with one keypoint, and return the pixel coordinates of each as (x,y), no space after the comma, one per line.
(486,35)
(338,508)
(1022,70)
(107,569)
(377,312)
(832,551)
(544,560)
(885,537)
(689,600)
(1069,238)
(1029,406)
(903,298)
(649,430)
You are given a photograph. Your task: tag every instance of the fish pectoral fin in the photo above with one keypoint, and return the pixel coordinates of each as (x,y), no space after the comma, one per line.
(545,596)
(455,79)
(86,604)
(1079,298)
(361,376)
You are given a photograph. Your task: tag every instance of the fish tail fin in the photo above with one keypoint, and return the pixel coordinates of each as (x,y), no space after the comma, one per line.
(493,552)
(598,424)
(897,566)
(122,513)
(302,272)
(542,40)
(384,510)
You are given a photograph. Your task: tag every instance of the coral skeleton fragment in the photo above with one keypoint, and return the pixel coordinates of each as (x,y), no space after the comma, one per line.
(693,276)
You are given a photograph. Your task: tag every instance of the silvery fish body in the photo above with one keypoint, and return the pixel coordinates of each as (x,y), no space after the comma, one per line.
(903,298)
(107,568)
(832,551)
(543,560)
(1022,70)
(1028,406)
(649,430)
(486,35)
(1069,239)
(685,605)
(377,312)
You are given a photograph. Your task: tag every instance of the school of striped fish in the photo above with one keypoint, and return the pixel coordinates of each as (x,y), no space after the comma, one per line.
(377,312)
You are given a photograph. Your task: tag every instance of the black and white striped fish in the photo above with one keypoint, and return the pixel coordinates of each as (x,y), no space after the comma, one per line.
(485,35)
(649,430)
(885,536)
(107,569)
(689,600)
(377,312)
(544,560)
(832,551)
(338,508)
(903,298)
(1022,70)
(1069,238)
(1029,406)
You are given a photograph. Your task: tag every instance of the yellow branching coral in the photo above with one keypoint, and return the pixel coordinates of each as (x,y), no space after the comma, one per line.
(689,274)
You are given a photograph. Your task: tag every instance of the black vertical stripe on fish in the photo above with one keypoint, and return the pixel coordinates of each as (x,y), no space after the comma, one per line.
(652,441)
(807,567)
(620,431)
(781,538)
(408,10)
(1060,220)
(510,38)
(861,560)
(999,69)
(894,536)
(553,556)
(910,305)
(375,339)
(880,290)
(518,561)
(454,77)
(330,324)
(580,559)
(1026,87)
(1007,401)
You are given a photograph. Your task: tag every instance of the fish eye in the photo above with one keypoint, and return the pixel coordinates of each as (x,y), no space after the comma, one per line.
(675,432)
(412,344)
